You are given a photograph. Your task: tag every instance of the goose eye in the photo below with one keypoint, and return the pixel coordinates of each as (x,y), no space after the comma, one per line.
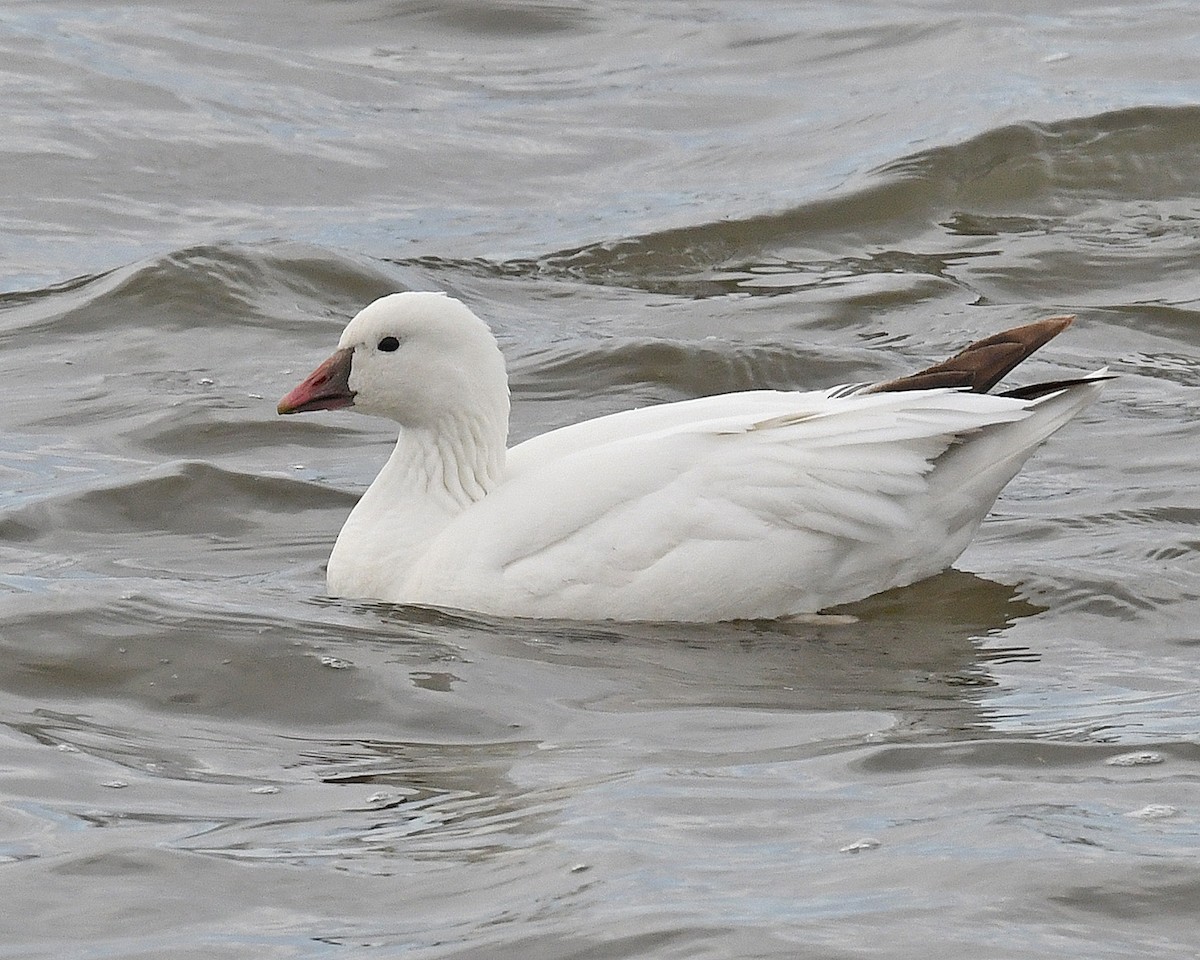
(388,344)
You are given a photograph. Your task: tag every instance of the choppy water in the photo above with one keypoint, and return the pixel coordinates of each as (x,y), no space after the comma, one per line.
(201,756)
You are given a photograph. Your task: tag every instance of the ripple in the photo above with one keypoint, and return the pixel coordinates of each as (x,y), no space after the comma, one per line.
(684,369)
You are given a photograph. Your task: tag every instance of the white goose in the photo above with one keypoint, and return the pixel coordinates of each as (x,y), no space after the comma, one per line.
(762,504)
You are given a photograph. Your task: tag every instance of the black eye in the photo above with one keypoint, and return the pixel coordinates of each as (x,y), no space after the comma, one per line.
(388,344)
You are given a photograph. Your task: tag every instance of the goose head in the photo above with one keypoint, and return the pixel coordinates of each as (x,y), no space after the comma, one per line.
(420,359)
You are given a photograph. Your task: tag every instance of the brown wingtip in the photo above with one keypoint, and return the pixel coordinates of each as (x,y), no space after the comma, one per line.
(981,365)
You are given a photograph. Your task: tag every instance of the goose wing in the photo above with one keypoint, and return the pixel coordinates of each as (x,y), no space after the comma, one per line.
(745,505)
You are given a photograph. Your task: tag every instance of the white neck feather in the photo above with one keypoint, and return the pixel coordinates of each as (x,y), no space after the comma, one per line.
(432,475)
(458,461)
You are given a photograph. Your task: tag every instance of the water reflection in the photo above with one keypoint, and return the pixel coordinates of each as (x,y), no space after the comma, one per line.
(438,731)
(918,648)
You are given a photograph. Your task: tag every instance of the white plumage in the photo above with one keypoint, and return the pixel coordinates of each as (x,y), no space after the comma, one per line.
(760,504)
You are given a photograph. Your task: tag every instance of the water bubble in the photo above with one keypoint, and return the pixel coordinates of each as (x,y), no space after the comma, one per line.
(383,800)
(265,789)
(858,846)
(1153,811)
(1141,759)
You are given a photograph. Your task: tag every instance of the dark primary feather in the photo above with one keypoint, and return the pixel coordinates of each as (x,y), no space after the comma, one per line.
(980,366)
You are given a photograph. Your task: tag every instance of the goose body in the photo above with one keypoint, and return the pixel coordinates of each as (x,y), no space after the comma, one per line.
(759,504)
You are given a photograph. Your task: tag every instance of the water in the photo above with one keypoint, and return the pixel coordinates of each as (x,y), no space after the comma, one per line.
(204,757)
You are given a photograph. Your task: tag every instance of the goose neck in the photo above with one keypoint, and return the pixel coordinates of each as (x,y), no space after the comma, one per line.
(458,461)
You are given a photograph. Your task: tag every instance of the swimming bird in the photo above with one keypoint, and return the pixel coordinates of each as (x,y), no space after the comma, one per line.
(760,504)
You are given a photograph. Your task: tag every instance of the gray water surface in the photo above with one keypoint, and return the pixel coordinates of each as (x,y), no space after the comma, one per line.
(202,756)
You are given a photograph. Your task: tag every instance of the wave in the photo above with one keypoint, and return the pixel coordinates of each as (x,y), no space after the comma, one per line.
(1016,179)
(1013,180)
(189,518)
(214,285)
